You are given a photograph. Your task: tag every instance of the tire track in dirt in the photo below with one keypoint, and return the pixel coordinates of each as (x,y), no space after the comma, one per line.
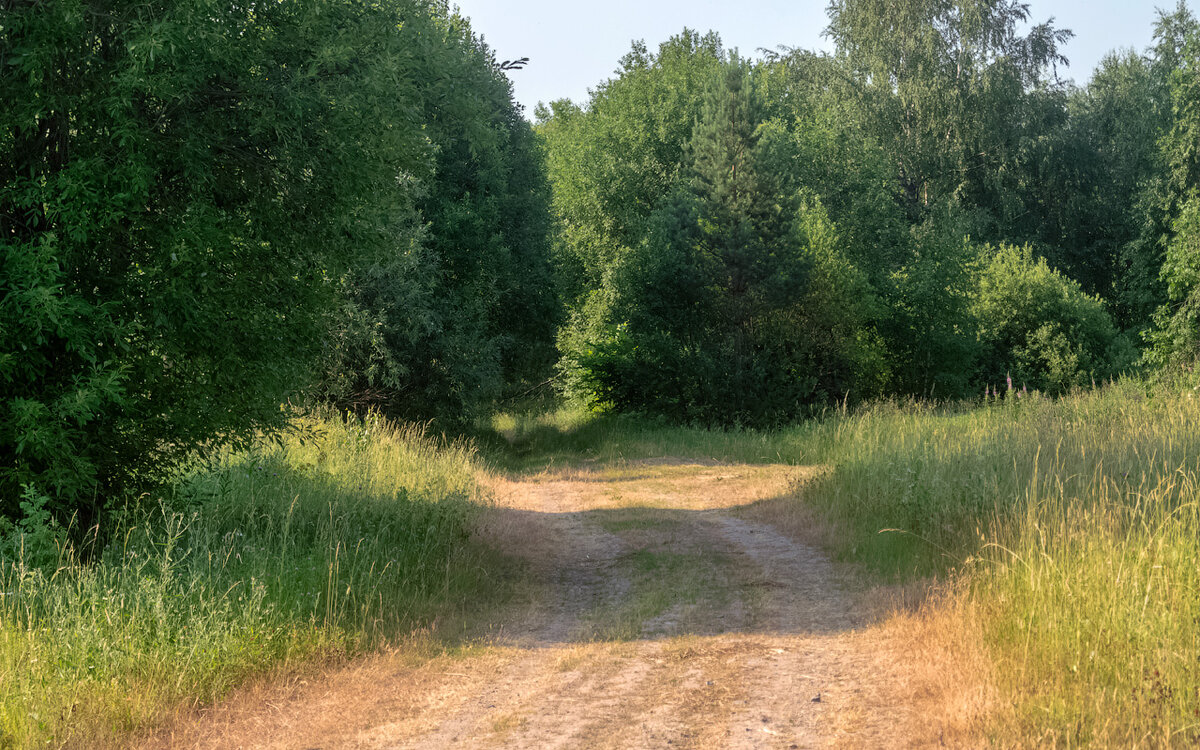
(815,676)
(582,569)
(726,630)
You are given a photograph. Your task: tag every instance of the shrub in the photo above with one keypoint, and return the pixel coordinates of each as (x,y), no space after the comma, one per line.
(1039,326)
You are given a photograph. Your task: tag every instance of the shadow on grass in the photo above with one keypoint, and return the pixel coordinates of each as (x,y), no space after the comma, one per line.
(530,443)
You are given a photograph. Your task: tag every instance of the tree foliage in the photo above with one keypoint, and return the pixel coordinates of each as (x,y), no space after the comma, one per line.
(469,305)
(1039,327)
(936,128)
(614,164)
(953,90)
(737,306)
(1178,336)
(200,202)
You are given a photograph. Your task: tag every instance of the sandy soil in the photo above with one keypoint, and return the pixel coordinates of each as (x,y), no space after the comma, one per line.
(666,613)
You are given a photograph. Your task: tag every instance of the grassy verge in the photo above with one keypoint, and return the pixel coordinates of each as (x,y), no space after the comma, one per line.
(1075,529)
(309,550)
(1072,528)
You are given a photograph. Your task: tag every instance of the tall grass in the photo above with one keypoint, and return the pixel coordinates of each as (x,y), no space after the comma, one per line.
(313,548)
(1073,525)
(1075,528)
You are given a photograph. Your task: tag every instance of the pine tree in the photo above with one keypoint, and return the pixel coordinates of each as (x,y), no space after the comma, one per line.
(745,224)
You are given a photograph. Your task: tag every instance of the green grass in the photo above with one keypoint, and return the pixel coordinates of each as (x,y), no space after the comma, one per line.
(310,550)
(1075,527)
(637,523)
(529,442)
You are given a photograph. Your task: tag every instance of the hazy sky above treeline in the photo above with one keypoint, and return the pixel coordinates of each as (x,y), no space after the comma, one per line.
(572,46)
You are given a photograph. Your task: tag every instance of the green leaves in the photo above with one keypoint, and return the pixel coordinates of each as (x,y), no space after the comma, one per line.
(953,90)
(466,305)
(1176,341)
(179,193)
(620,160)
(1039,326)
(737,306)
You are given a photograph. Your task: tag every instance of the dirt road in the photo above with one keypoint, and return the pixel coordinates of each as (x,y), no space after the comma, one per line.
(669,611)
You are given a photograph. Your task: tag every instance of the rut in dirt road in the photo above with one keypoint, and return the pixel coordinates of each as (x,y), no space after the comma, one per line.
(668,615)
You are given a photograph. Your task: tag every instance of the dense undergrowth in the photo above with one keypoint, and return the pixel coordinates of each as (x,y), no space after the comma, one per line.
(312,549)
(1072,525)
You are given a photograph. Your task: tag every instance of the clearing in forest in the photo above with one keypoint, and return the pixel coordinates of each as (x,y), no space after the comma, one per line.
(672,604)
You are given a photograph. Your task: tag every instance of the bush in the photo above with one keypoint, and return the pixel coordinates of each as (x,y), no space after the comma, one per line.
(1039,326)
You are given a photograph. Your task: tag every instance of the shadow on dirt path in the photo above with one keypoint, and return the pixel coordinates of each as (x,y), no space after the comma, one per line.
(664,615)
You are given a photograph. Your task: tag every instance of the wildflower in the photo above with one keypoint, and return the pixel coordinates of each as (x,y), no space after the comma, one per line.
(1009,378)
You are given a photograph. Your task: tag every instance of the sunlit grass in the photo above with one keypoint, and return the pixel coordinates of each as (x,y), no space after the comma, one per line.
(1074,523)
(528,442)
(313,549)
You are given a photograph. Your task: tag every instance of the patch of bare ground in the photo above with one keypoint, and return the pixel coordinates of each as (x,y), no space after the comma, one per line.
(674,604)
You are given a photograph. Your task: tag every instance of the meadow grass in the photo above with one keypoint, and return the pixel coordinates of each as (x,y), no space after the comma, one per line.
(1072,527)
(1071,524)
(531,441)
(316,548)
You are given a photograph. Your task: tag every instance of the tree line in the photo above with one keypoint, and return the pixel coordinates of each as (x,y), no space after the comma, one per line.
(929,210)
(213,214)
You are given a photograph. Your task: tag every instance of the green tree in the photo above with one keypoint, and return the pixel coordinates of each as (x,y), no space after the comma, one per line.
(617,160)
(1140,285)
(834,156)
(1040,327)
(1177,338)
(199,201)
(954,91)
(930,332)
(442,326)
(737,307)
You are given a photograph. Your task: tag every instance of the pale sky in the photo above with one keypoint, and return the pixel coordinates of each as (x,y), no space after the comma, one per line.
(575,44)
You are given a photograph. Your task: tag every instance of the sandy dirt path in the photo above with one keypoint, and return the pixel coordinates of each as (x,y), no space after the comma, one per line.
(666,613)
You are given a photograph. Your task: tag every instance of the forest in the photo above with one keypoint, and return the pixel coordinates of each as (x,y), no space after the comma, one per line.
(302,270)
